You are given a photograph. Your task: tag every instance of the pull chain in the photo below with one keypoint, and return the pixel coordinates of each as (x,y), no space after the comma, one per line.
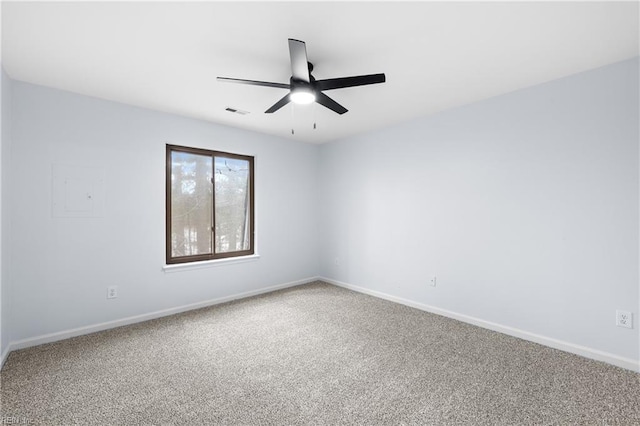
(314,116)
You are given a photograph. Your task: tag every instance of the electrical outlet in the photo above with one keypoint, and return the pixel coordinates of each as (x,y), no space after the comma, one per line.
(112,292)
(432,281)
(624,319)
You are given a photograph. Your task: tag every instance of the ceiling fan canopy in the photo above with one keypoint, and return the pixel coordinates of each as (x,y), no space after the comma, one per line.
(303,87)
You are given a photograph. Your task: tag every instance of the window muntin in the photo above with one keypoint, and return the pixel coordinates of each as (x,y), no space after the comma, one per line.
(210,205)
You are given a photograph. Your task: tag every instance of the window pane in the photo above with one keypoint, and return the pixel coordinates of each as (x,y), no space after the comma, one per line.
(232,205)
(191,203)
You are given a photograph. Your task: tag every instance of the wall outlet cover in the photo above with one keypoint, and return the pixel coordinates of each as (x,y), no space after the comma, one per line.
(624,319)
(112,292)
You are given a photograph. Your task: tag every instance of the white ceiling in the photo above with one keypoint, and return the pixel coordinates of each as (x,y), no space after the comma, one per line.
(436,55)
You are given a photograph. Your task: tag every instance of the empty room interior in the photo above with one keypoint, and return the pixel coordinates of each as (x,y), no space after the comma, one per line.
(251,213)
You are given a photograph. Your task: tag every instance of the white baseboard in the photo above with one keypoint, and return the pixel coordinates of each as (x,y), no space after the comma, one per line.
(4,355)
(586,352)
(66,334)
(628,363)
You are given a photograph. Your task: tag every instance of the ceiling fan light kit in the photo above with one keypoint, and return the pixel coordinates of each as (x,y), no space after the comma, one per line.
(303,87)
(302,96)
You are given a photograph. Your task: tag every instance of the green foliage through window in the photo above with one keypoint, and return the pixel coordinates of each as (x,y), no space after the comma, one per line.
(209,204)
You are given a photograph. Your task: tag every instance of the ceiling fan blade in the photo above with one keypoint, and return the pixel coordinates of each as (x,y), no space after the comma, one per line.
(299,62)
(282,102)
(360,80)
(326,101)
(253,82)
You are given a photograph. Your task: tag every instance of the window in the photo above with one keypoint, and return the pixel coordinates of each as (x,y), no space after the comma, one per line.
(209,205)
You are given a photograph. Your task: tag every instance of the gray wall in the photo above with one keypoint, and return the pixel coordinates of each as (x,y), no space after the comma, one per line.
(5,150)
(525,207)
(61,267)
(3,118)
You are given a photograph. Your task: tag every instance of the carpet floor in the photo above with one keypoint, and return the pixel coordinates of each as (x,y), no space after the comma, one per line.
(314,355)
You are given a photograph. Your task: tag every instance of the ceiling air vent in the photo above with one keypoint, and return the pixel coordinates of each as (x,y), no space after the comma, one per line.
(236,111)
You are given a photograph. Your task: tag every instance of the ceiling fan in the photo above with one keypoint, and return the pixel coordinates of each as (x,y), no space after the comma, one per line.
(303,88)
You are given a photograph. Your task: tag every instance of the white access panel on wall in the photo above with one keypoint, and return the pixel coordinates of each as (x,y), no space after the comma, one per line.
(78,191)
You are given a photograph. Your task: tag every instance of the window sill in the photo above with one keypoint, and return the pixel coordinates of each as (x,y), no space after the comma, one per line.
(177,267)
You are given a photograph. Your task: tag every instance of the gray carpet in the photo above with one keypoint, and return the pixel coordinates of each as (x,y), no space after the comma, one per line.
(314,354)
